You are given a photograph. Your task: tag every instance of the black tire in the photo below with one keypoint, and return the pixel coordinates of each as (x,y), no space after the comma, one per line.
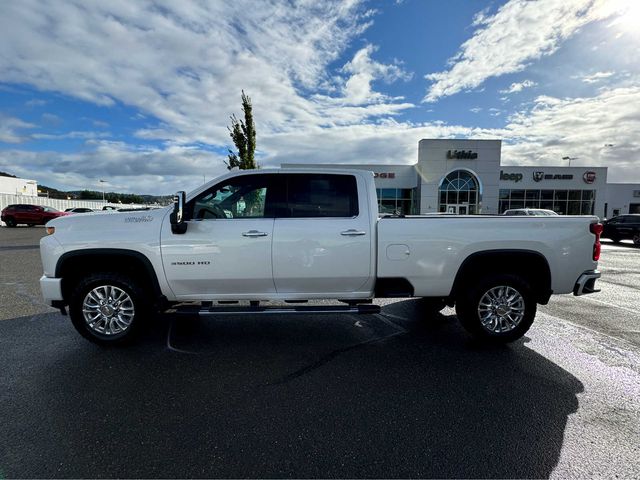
(31,224)
(468,304)
(615,239)
(10,221)
(138,299)
(636,239)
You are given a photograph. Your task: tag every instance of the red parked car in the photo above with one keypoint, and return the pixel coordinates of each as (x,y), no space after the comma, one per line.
(29,215)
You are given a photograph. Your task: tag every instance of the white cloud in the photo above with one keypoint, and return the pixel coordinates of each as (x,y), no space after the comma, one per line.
(10,129)
(597,77)
(127,168)
(541,135)
(364,70)
(184,63)
(580,127)
(520,32)
(51,119)
(481,17)
(36,102)
(73,134)
(519,86)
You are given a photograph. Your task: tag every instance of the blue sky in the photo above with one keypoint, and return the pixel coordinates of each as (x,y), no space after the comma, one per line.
(140,93)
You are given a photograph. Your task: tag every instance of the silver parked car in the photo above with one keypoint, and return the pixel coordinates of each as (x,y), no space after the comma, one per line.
(79,210)
(534,212)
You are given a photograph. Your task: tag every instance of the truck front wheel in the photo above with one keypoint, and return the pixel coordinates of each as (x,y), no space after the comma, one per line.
(108,308)
(499,308)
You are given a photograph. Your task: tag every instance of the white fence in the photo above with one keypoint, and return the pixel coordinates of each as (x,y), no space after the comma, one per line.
(58,204)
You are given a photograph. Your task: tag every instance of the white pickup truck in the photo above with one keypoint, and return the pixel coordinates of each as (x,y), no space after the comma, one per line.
(300,234)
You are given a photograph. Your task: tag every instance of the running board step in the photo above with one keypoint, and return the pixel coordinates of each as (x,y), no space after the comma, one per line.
(275,310)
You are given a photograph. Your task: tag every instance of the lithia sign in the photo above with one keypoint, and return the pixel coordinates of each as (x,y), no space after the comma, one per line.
(461,154)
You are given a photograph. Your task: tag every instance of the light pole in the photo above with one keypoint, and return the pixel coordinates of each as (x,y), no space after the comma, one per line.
(570,158)
(102,182)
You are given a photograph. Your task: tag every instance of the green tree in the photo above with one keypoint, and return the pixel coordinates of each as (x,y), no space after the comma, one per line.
(243,134)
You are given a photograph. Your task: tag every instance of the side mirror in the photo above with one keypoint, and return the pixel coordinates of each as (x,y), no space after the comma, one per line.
(176,218)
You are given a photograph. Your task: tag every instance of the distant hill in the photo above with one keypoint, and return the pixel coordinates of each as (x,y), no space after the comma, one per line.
(111,197)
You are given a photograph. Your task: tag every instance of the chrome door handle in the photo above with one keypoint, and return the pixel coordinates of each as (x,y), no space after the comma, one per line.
(352,233)
(254,233)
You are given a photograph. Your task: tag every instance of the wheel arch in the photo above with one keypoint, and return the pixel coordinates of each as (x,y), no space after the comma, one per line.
(529,264)
(73,265)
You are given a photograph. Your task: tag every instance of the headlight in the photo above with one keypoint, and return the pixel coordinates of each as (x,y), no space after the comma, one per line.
(51,230)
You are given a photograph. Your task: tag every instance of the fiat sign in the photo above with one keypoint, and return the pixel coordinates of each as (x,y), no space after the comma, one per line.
(589,177)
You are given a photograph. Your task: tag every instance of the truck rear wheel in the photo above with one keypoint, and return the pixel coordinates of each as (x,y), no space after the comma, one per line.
(108,308)
(498,309)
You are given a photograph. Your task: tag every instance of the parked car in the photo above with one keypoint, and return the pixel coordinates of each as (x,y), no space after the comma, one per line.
(299,234)
(29,215)
(623,227)
(532,212)
(79,210)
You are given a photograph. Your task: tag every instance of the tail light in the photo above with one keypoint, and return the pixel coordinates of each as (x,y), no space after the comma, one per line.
(596,229)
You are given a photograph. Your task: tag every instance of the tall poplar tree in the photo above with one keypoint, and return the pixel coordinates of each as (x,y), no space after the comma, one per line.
(243,134)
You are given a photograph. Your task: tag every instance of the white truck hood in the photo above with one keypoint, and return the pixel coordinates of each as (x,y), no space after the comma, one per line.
(109,229)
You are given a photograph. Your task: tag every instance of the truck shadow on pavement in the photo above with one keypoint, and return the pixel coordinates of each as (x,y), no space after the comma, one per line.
(394,395)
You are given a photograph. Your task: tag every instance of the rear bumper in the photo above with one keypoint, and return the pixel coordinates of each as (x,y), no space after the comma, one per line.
(586,283)
(51,289)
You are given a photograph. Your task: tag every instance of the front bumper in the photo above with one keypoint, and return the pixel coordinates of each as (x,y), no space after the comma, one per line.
(586,283)
(51,289)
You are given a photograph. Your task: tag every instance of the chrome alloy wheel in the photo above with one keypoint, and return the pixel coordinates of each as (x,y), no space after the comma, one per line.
(108,310)
(501,309)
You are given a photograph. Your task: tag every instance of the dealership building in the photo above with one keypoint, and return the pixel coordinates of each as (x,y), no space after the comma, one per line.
(467,177)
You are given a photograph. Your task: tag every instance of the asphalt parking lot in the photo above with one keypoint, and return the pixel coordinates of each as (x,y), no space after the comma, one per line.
(391,395)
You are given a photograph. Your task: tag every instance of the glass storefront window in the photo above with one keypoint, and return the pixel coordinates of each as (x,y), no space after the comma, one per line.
(392,200)
(573,208)
(532,194)
(546,194)
(575,194)
(560,195)
(560,201)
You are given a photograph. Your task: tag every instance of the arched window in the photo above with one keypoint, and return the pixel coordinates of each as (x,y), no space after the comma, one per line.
(459,193)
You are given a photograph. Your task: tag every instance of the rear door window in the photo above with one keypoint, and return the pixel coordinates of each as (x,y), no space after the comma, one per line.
(312,195)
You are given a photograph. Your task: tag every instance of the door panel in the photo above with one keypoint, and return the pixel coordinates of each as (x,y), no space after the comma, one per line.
(219,257)
(226,250)
(328,253)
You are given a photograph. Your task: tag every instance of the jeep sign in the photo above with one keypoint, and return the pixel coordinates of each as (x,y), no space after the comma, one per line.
(514,177)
